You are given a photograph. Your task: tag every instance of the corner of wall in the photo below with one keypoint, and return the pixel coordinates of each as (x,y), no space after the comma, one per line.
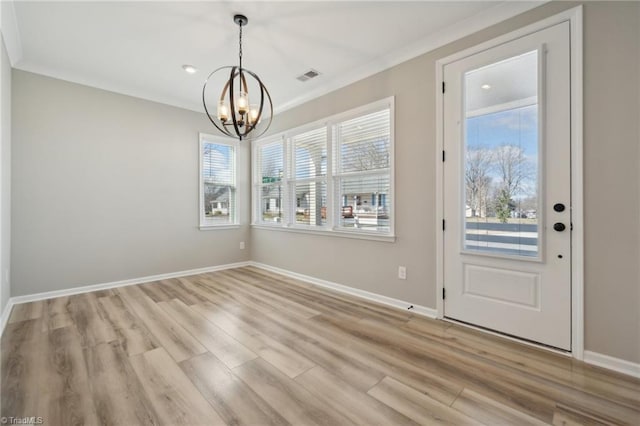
(5,181)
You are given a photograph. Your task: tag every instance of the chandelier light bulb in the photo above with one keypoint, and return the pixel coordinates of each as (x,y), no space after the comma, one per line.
(223,111)
(254,115)
(242,103)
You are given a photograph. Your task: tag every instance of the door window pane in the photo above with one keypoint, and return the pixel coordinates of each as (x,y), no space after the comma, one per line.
(501,197)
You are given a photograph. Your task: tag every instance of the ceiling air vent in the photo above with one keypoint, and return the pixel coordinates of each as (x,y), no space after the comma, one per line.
(308,75)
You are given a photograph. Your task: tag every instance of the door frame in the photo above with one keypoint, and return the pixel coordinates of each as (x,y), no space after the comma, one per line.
(574,17)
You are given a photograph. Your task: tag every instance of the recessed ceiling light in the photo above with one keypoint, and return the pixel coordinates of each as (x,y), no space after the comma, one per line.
(485,87)
(190,69)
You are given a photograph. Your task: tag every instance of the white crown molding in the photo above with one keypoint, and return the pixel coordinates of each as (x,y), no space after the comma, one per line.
(104,286)
(616,364)
(146,95)
(10,32)
(473,24)
(374,297)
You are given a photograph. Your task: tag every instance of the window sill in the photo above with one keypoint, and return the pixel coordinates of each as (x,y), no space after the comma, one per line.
(329,232)
(215,227)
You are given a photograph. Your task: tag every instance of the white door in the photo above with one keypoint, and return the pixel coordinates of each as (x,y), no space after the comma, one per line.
(507,243)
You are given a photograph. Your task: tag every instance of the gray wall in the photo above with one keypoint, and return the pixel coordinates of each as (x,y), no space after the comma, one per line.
(612,178)
(105,188)
(611,163)
(5,176)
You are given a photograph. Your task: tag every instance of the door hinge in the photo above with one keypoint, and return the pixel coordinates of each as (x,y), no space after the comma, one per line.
(443,226)
(444,293)
(571,227)
(443,156)
(443,87)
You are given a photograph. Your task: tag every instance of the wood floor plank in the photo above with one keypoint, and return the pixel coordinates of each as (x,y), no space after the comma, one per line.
(155,292)
(116,392)
(567,417)
(327,301)
(23,352)
(537,362)
(289,398)
(131,333)
(228,350)
(171,393)
(290,332)
(282,357)
(416,405)
(529,393)
(89,320)
(270,298)
(176,340)
(448,366)
(359,375)
(26,311)
(491,412)
(178,290)
(56,313)
(65,396)
(353,404)
(236,402)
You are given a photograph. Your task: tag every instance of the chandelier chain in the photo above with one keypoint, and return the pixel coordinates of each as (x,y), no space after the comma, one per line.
(240,49)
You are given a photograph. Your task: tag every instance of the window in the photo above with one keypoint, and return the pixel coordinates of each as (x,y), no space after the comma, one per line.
(218,197)
(363,171)
(333,176)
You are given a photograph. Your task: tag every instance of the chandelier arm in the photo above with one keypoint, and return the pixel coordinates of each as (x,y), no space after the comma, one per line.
(266,91)
(270,109)
(204,88)
(224,90)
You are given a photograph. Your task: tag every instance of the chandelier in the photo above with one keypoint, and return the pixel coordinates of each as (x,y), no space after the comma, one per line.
(235,115)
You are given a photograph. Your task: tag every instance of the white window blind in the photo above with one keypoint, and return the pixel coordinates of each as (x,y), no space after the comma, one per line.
(217,182)
(363,175)
(332,176)
(270,173)
(308,179)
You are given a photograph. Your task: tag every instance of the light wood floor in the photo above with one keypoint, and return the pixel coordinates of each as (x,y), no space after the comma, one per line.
(250,347)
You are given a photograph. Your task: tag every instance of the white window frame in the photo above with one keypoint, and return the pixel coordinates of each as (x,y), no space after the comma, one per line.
(233,216)
(331,227)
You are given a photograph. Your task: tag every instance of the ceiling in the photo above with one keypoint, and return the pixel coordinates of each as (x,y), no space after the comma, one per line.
(138,48)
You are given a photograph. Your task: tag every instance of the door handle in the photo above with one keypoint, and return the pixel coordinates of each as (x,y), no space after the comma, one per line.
(559,207)
(559,226)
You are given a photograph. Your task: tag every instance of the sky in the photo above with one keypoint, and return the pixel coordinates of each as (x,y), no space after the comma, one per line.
(517,126)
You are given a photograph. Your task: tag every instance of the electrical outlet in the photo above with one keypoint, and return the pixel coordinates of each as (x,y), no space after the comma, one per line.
(241,245)
(402,272)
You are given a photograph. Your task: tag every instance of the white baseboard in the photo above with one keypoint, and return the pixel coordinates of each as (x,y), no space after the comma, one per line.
(104,286)
(611,363)
(5,315)
(374,297)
